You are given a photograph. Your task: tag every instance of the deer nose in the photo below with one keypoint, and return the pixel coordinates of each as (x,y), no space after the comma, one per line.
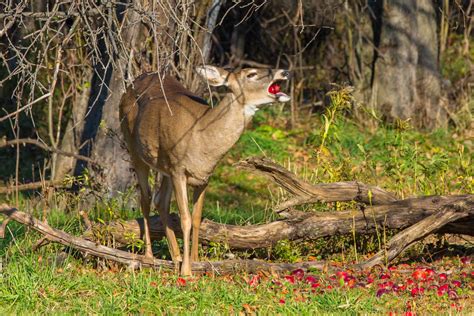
(286,73)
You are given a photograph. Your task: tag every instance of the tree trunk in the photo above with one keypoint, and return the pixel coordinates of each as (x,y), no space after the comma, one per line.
(74,129)
(429,90)
(394,77)
(405,79)
(101,133)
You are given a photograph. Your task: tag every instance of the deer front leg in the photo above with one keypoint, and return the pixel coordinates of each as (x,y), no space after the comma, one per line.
(162,203)
(179,186)
(198,200)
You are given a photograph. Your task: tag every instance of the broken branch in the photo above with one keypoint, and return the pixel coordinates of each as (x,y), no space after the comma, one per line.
(23,141)
(30,186)
(403,240)
(305,192)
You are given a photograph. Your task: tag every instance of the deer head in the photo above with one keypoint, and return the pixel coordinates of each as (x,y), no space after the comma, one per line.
(251,86)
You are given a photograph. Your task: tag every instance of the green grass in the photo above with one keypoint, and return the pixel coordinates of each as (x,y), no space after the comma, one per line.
(399,159)
(42,283)
(43,287)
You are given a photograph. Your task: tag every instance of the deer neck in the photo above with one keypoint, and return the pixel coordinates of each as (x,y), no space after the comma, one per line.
(225,123)
(234,106)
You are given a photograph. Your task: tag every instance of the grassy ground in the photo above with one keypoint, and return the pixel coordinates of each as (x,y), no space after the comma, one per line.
(324,148)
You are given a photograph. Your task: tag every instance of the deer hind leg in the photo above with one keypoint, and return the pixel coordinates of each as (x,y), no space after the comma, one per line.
(198,201)
(142,171)
(162,203)
(179,187)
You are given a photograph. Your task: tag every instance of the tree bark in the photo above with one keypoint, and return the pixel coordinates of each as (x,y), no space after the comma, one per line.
(404,78)
(101,133)
(394,78)
(70,141)
(431,113)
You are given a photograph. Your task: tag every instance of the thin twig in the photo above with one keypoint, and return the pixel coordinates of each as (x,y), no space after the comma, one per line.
(43,241)
(57,14)
(25,107)
(18,12)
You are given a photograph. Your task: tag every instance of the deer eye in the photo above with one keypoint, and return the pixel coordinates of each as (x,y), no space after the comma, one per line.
(251,75)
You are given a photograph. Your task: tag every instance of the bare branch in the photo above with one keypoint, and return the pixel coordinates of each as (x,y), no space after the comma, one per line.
(30,186)
(25,107)
(23,141)
(57,14)
(304,192)
(18,11)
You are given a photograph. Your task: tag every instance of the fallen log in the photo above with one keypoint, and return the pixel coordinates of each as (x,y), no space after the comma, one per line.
(136,261)
(305,225)
(386,212)
(304,192)
(400,242)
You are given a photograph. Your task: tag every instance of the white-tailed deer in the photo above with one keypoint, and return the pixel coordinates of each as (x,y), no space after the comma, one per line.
(171,130)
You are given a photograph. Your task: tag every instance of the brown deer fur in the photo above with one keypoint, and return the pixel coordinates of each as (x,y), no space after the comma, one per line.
(171,130)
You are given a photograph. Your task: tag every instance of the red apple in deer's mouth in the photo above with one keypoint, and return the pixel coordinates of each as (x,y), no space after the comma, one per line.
(274,88)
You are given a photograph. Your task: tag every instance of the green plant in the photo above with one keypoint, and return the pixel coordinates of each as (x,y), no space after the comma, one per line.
(134,243)
(340,100)
(287,251)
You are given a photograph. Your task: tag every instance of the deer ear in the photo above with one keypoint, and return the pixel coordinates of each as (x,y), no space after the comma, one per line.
(215,76)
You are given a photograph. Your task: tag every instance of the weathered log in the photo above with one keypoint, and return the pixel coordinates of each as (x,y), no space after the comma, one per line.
(136,261)
(229,266)
(404,239)
(304,192)
(309,226)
